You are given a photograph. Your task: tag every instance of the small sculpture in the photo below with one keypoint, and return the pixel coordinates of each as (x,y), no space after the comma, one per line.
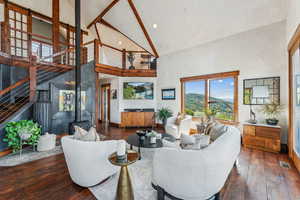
(131,58)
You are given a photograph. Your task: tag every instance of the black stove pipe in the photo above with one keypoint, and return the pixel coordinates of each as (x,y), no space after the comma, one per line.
(78,62)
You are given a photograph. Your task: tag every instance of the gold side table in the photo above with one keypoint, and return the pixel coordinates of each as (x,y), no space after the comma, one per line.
(124,190)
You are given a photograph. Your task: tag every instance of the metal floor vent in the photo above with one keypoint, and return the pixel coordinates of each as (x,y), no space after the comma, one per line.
(284,165)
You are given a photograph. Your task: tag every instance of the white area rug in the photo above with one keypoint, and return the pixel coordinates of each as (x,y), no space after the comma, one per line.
(141,176)
(28,155)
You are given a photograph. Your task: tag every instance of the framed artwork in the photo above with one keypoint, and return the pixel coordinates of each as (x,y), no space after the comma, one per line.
(168,94)
(251,95)
(67,100)
(114,94)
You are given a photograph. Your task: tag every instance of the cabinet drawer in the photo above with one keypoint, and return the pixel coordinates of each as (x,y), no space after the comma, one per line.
(273,145)
(254,141)
(249,130)
(268,132)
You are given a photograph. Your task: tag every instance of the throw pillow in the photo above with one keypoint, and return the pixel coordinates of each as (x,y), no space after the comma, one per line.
(209,127)
(217,130)
(202,141)
(84,135)
(169,144)
(79,132)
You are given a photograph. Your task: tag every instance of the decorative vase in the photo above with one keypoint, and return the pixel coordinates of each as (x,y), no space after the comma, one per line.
(272,122)
(152,140)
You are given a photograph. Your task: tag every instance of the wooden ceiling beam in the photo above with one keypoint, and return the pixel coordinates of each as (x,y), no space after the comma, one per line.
(99,17)
(105,23)
(137,16)
(98,35)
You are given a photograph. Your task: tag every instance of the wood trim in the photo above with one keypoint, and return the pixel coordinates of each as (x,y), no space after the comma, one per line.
(114,2)
(294,38)
(96,52)
(105,23)
(135,12)
(114,48)
(55,26)
(211,76)
(5,152)
(117,71)
(17,84)
(98,35)
(293,45)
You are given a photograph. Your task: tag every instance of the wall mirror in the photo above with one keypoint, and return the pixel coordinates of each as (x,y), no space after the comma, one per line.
(261,91)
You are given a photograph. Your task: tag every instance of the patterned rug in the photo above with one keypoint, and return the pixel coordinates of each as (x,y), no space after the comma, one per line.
(141,176)
(27,155)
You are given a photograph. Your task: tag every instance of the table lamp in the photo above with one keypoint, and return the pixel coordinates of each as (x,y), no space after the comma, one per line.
(257,92)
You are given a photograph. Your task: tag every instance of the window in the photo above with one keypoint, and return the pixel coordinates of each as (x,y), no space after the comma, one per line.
(194,98)
(217,91)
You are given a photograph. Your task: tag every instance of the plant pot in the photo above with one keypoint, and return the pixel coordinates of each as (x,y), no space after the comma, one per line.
(152,140)
(272,122)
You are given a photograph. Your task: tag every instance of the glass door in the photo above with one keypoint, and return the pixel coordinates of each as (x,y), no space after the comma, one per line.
(296,101)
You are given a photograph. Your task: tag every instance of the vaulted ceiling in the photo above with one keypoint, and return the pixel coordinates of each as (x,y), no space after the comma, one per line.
(182,24)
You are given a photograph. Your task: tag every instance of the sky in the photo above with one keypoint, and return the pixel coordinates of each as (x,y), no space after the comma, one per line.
(219,88)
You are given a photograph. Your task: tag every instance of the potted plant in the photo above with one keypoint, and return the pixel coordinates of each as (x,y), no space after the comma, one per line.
(211,112)
(163,114)
(152,136)
(272,111)
(26,130)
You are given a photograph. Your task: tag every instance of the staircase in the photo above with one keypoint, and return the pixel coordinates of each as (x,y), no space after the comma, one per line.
(22,93)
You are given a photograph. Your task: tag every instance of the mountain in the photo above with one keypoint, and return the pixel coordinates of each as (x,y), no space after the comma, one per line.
(195,102)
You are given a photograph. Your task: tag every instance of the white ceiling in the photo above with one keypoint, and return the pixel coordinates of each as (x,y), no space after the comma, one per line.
(182,24)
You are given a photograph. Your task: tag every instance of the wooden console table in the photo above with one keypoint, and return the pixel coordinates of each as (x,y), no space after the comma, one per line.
(262,136)
(137,119)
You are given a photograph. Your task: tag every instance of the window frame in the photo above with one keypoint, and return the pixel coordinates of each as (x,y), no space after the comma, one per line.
(206,78)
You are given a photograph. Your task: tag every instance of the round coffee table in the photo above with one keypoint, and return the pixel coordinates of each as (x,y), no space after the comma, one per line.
(135,140)
(124,190)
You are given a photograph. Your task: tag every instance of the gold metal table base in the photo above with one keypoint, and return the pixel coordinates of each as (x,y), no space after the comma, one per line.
(124,190)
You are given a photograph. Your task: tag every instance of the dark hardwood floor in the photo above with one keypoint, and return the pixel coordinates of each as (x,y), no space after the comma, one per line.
(258,176)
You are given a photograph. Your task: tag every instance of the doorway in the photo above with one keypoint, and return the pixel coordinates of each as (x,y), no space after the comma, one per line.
(294,101)
(105,103)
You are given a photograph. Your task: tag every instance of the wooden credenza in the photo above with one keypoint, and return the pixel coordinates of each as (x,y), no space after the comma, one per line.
(263,137)
(137,119)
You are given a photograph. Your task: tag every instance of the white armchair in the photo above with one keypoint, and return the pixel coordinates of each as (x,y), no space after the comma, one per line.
(176,130)
(196,174)
(88,162)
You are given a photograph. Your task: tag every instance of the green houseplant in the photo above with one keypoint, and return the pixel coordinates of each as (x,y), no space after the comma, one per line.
(163,114)
(13,130)
(211,112)
(272,111)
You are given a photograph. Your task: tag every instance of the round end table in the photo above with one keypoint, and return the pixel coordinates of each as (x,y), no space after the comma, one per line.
(124,190)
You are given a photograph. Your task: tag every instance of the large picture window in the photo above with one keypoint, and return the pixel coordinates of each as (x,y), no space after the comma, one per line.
(211,91)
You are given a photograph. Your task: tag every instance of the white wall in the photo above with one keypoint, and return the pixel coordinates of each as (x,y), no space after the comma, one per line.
(293,17)
(257,53)
(118,105)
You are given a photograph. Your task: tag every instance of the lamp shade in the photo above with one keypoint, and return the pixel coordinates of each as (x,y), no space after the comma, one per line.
(260,92)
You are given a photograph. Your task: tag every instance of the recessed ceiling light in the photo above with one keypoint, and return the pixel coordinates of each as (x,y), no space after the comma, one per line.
(120,43)
(154,25)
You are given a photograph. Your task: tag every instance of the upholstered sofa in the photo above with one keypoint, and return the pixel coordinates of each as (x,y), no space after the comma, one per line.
(88,162)
(176,130)
(196,174)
